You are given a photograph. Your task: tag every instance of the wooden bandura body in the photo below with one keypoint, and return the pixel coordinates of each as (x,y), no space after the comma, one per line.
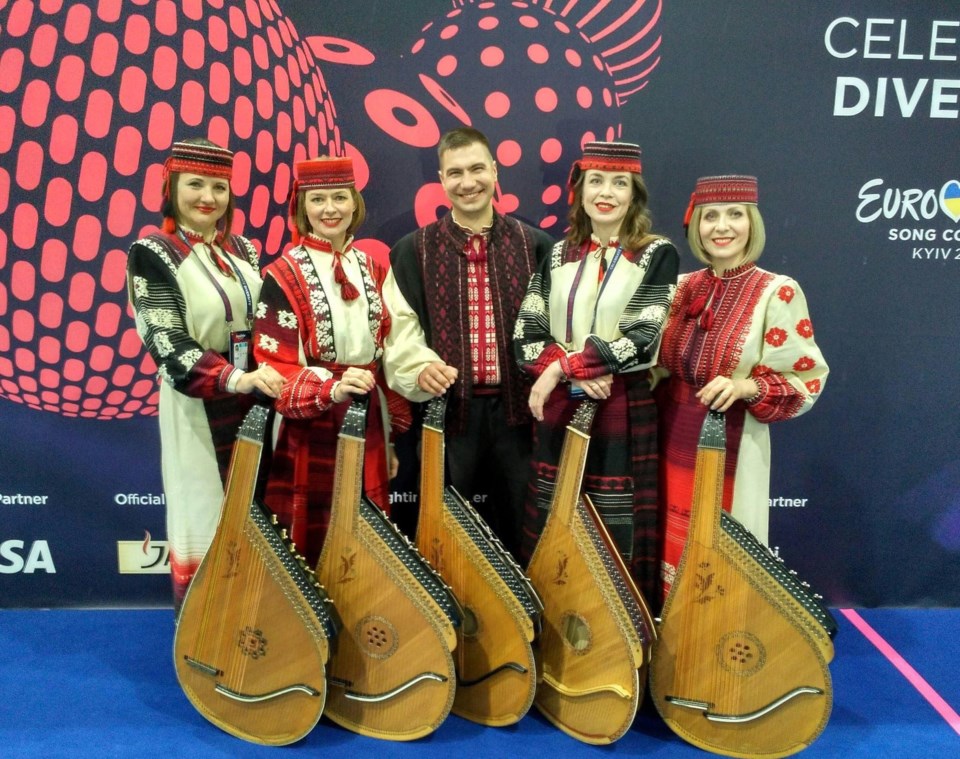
(597,629)
(496,671)
(740,666)
(251,642)
(391,674)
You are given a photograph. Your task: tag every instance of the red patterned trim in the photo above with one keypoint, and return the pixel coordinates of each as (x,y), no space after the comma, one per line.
(716,351)
(726,188)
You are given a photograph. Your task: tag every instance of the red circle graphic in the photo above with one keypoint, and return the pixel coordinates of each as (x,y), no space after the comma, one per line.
(383,107)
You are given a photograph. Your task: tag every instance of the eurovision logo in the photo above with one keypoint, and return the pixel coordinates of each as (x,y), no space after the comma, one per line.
(925,216)
(917,215)
(908,204)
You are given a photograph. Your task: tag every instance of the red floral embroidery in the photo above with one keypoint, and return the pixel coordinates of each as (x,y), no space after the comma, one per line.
(813,386)
(804,364)
(761,369)
(786,293)
(776,336)
(805,328)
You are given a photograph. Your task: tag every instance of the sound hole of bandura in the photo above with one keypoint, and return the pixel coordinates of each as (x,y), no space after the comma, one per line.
(377,637)
(575,632)
(741,653)
(470,624)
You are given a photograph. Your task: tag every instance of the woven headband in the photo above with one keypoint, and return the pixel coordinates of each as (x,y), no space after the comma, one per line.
(319,173)
(206,160)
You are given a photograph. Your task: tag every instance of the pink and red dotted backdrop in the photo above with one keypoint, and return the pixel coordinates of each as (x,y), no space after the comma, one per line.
(93,95)
(543,78)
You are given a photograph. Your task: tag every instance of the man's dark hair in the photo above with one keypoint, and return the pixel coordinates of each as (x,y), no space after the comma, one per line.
(462,137)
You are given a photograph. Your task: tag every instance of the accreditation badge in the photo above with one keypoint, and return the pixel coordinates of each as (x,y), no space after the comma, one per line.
(240,341)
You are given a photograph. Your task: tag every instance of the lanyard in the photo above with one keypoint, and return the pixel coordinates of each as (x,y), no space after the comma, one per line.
(576,285)
(228,309)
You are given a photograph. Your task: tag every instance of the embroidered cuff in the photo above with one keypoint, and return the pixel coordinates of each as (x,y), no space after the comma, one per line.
(228,378)
(574,366)
(761,391)
(550,354)
(325,396)
(233,380)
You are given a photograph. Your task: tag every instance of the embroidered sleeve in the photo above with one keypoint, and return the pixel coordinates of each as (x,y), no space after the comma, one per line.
(405,349)
(307,391)
(641,324)
(160,312)
(792,371)
(533,345)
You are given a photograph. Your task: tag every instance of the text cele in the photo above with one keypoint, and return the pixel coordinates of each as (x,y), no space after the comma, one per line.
(888,38)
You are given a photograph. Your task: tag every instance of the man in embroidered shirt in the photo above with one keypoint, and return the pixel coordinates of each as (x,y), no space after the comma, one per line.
(460,281)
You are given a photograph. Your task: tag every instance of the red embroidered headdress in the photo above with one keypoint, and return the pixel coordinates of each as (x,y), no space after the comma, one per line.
(206,160)
(605,156)
(318,174)
(725,188)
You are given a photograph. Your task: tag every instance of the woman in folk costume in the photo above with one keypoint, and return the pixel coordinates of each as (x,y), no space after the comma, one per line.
(590,324)
(739,340)
(193,287)
(321,323)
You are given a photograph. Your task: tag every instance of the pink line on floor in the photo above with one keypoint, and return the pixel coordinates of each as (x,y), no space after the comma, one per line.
(913,677)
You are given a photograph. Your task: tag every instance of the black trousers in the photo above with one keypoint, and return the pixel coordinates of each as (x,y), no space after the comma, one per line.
(489,465)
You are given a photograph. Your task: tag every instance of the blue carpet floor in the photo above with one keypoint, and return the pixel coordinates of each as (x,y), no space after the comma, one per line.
(100,684)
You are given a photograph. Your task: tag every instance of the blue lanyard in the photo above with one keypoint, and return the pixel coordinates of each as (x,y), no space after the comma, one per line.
(228,309)
(576,285)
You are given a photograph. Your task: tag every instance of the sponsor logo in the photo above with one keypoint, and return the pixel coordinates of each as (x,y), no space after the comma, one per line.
(936,43)
(22,499)
(923,215)
(19,557)
(143,557)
